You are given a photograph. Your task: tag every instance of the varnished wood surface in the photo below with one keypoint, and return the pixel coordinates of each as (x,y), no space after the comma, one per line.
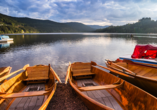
(145,78)
(37,73)
(139,70)
(14,86)
(81,69)
(102,96)
(4,71)
(26,103)
(90,88)
(7,76)
(128,96)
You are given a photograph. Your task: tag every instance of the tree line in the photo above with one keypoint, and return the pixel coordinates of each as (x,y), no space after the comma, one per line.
(144,25)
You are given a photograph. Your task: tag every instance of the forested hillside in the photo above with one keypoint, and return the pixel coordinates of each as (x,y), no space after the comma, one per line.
(10,25)
(98,27)
(80,27)
(144,25)
(27,25)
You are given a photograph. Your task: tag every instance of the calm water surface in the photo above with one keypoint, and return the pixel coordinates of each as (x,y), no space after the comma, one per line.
(60,49)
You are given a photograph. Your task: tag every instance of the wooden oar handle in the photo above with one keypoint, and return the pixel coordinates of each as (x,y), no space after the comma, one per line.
(5,70)
(124,69)
(5,77)
(114,71)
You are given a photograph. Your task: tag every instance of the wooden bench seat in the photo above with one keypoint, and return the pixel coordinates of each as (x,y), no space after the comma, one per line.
(23,94)
(91,88)
(83,73)
(81,69)
(34,79)
(37,73)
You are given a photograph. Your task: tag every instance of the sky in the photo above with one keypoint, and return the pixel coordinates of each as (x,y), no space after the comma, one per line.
(89,12)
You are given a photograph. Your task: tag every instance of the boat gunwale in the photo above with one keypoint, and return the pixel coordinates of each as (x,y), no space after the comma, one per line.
(138,76)
(74,86)
(128,86)
(47,97)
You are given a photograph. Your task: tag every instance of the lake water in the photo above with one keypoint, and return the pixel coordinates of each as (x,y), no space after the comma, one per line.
(60,49)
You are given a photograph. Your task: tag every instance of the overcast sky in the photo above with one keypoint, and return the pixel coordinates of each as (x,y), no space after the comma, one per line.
(91,12)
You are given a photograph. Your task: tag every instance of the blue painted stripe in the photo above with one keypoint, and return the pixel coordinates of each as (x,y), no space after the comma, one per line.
(139,61)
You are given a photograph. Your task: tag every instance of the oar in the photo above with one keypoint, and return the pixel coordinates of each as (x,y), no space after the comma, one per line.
(68,73)
(132,73)
(114,71)
(5,70)
(24,68)
(56,76)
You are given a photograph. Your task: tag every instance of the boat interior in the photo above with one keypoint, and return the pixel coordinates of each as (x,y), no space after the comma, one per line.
(145,71)
(84,79)
(29,90)
(102,90)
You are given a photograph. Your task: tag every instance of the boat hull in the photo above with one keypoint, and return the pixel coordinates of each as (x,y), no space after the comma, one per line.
(17,84)
(128,96)
(146,84)
(6,40)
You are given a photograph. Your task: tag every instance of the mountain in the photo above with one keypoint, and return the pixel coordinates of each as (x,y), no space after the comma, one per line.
(144,25)
(10,24)
(80,26)
(97,26)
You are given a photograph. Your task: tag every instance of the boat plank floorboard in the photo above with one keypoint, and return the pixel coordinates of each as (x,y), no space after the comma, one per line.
(115,104)
(107,102)
(90,94)
(33,101)
(16,101)
(28,103)
(105,93)
(23,100)
(40,99)
(102,96)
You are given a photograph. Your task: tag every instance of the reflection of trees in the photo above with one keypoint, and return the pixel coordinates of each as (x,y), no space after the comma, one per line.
(35,39)
(145,39)
(141,40)
(28,40)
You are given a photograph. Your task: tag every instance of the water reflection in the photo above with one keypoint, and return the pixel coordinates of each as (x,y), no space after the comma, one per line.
(5,44)
(59,50)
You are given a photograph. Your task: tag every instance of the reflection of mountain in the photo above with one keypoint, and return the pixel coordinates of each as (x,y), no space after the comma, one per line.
(29,40)
(34,39)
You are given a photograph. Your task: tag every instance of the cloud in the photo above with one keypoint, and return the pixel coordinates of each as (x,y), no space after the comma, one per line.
(97,12)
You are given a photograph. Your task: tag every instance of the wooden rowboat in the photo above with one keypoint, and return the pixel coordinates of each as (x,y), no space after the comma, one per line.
(31,89)
(4,71)
(144,76)
(101,90)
